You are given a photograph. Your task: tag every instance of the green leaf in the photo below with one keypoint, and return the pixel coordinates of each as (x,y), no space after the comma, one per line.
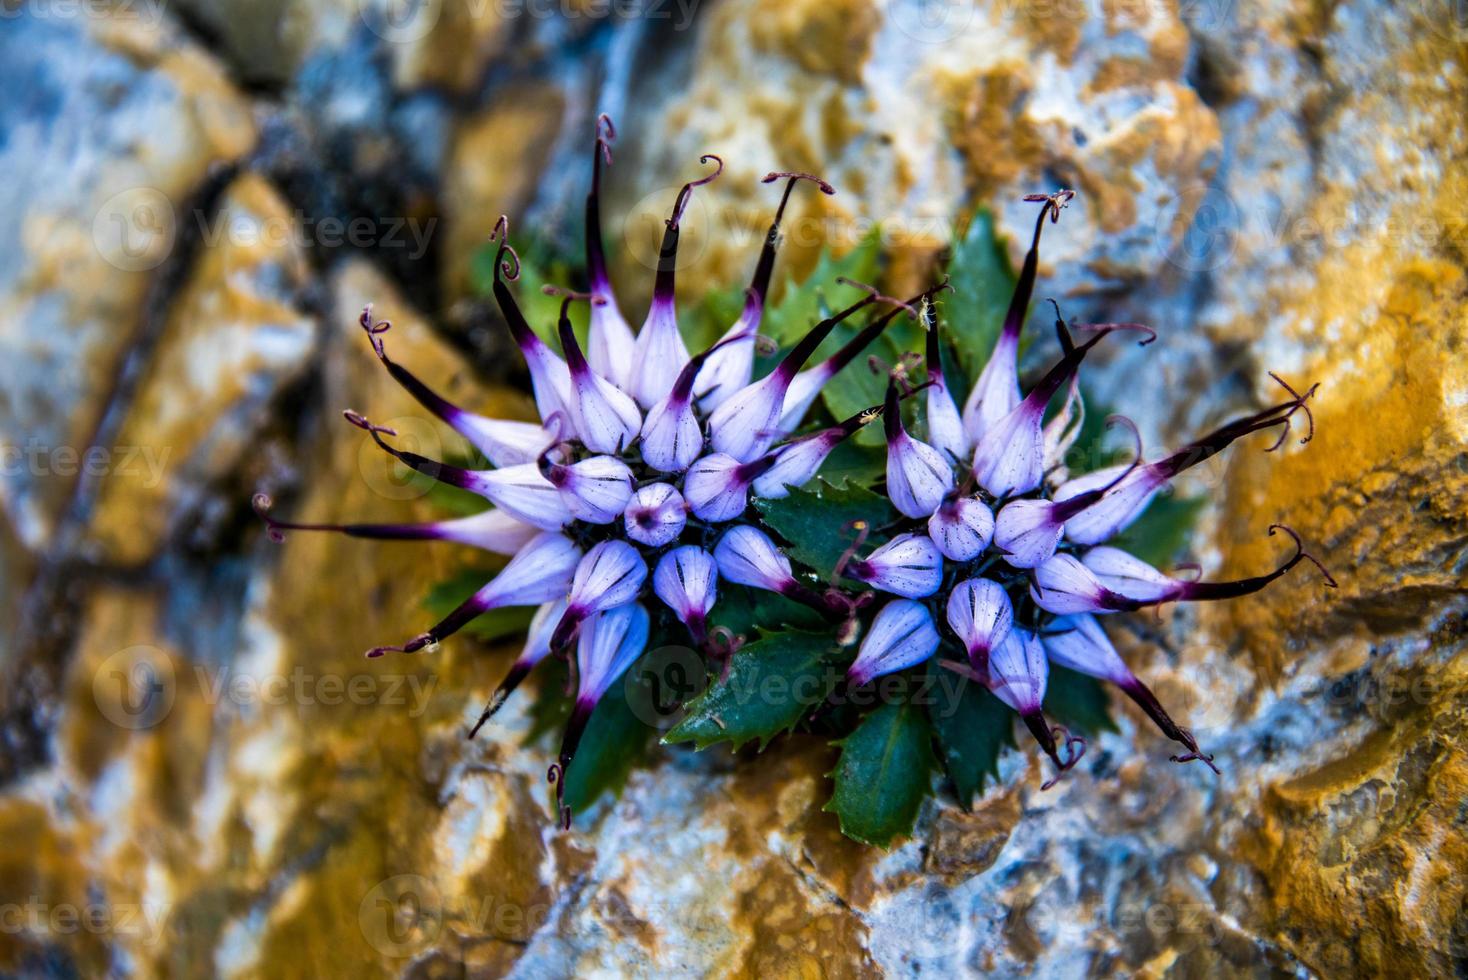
(983,283)
(800,305)
(973,729)
(614,743)
(856,388)
(883,774)
(444,597)
(815,522)
(1161,533)
(853,463)
(770,685)
(1077,701)
(742,611)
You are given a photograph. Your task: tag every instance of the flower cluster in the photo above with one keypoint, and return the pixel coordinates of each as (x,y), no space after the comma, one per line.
(628,505)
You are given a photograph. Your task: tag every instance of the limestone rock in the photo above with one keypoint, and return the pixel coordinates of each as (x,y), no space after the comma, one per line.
(236,336)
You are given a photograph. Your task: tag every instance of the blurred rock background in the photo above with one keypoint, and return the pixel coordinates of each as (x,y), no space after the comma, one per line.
(200,775)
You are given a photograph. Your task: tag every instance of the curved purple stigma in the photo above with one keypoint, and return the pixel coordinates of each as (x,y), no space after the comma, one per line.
(540,572)
(1075,746)
(605,417)
(668,252)
(609,340)
(491,530)
(1219,439)
(731,369)
(549,377)
(996,392)
(446,473)
(745,424)
(1080,644)
(536,649)
(601,152)
(1204,591)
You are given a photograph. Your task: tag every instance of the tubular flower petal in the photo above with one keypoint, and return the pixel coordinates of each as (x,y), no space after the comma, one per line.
(980,612)
(659,353)
(1063,586)
(996,393)
(687,580)
(610,642)
(549,377)
(595,490)
(503,443)
(609,340)
(540,572)
(1124,502)
(611,574)
(796,463)
(945,428)
(729,369)
(1018,672)
(537,646)
(1079,643)
(1010,456)
(918,477)
(605,419)
(493,530)
(1138,582)
(962,528)
(671,437)
(901,635)
(717,486)
(523,493)
(746,556)
(748,421)
(909,565)
(656,515)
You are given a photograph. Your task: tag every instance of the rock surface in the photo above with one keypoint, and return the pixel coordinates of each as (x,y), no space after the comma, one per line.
(228,788)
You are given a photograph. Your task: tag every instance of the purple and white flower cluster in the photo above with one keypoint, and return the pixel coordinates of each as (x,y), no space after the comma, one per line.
(629,501)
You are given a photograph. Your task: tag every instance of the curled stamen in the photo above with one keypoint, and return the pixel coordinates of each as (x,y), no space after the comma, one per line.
(1302,554)
(1054,203)
(362,422)
(374,330)
(261,503)
(794,175)
(1202,757)
(1073,754)
(503,258)
(572,295)
(879,297)
(686,192)
(1298,405)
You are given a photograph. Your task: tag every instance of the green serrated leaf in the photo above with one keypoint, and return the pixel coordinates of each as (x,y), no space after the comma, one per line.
(770,685)
(1078,702)
(800,306)
(814,522)
(973,728)
(445,596)
(883,774)
(1162,531)
(614,743)
(742,611)
(983,282)
(852,463)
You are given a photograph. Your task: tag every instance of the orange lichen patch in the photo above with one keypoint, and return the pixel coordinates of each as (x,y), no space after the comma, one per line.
(1054,25)
(997,142)
(44,889)
(494,166)
(1378,492)
(827,38)
(1364,853)
(790,934)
